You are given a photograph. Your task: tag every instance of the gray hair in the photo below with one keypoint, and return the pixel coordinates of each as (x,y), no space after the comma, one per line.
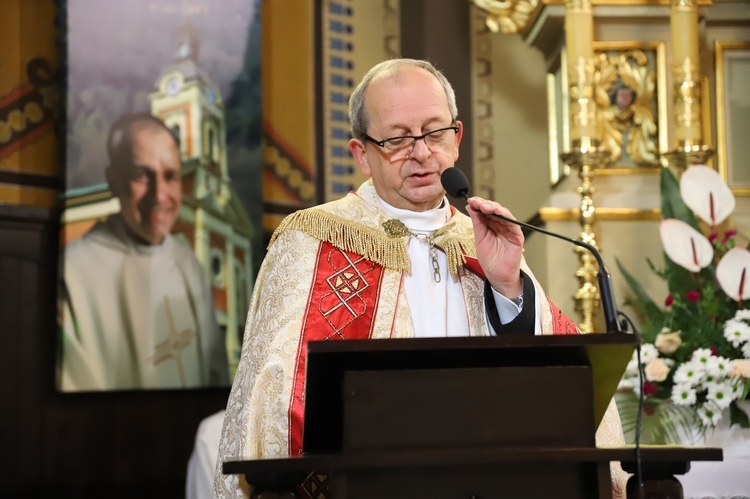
(358,116)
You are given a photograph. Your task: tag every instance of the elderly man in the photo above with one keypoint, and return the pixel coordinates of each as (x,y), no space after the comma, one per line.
(137,310)
(393,260)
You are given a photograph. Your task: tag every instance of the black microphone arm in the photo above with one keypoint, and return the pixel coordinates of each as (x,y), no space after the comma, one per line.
(456,184)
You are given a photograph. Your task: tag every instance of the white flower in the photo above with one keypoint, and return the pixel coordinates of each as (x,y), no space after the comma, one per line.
(743,313)
(648,353)
(667,341)
(736,331)
(721,394)
(683,394)
(731,272)
(684,245)
(709,415)
(719,367)
(689,373)
(706,193)
(627,383)
(701,355)
(741,367)
(632,368)
(656,370)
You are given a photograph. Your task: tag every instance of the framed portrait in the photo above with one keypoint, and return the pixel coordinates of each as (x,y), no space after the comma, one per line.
(631,106)
(631,101)
(733,114)
(558,119)
(162,201)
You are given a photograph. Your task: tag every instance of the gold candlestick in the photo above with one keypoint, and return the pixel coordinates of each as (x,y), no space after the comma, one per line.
(587,297)
(686,76)
(584,155)
(579,45)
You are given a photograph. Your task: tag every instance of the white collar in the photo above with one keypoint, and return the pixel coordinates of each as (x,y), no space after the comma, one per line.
(420,220)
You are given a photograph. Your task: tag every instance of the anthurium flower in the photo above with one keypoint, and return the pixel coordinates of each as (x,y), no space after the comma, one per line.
(684,245)
(706,193)
(733,273)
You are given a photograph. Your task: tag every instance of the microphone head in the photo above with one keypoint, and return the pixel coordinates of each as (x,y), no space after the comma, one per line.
(455,183)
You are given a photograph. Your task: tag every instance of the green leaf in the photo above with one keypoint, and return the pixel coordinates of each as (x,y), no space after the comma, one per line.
(738,416)
(672,205)
(644,301)
(745,390)
(661,423)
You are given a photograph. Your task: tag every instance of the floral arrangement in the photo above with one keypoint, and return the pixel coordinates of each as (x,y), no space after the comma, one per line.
(695,350)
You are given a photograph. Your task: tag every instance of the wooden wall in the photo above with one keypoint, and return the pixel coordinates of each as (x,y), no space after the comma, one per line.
(126,444)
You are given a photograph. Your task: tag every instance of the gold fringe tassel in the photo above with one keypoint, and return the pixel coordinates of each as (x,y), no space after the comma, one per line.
(457,249)
(344,234)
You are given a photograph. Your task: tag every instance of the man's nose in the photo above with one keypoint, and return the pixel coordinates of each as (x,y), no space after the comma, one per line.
(157,187)
(419,150)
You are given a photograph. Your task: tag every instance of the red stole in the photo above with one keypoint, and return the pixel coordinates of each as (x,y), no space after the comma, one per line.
(341,306)
(342,303)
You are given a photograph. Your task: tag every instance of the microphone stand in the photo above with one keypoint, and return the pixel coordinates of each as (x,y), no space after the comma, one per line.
(606,292)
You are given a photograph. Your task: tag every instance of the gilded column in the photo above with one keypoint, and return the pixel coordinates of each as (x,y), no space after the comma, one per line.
(686,77)
(584,155)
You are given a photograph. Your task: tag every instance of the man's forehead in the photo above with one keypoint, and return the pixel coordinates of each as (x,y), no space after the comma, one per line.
(387,106)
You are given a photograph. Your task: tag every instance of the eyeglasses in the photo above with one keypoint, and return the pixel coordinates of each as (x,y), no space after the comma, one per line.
(406,143)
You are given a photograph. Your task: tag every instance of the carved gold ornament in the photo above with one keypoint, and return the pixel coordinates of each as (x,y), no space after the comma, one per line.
(625,88)
(509,16)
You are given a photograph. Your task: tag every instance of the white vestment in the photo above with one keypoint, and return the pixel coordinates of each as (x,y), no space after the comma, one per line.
(136,316)
(327,268)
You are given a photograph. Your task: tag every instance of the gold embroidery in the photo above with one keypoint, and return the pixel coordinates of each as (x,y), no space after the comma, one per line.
(347,235)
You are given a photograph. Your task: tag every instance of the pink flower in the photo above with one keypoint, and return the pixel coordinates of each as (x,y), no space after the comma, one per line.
(714,351)
(693,296)
(729,235)
(669,301)
(712,237)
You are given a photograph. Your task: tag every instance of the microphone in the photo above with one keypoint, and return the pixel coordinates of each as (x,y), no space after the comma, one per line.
(456,185)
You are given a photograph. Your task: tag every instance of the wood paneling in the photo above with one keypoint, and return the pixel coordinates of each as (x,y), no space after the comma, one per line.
(116,444)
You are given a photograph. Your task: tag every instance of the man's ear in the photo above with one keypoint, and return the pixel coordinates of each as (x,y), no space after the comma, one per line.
(357,148)
(459,135)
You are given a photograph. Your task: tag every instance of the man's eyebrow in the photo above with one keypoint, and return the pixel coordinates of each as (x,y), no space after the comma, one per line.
(406,129)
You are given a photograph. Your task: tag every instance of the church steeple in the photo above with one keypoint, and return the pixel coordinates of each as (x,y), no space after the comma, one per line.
(187,44)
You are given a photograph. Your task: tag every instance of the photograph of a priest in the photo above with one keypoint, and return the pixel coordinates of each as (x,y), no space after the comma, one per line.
(136,310)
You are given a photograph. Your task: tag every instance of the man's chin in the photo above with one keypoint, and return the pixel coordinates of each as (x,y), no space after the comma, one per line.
(151,237)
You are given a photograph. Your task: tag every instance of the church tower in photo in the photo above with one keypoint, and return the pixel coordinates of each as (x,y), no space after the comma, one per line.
(212,218)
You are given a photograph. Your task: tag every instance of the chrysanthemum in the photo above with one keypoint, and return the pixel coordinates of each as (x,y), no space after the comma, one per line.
(701,355)
(736,331)
(721,394)
(683,394)
(719,367)
(648,353)
(709,415)
(689,373)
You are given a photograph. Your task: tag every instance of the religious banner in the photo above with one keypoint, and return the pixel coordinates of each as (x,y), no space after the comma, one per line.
(162,201)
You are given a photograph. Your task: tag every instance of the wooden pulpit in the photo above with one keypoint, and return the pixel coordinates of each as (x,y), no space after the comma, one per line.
(511,416)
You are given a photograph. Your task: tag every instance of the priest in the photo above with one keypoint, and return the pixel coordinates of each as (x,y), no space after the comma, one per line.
(392,260)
